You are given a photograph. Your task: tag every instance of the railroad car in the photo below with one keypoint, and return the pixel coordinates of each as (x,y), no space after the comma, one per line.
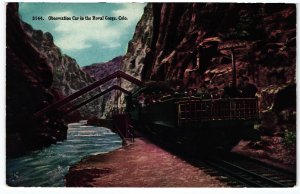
(195,125)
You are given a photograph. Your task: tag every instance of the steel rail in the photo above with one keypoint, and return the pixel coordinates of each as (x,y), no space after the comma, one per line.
(243,175)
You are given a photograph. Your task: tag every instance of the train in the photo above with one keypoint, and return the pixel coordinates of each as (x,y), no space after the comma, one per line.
(195,125)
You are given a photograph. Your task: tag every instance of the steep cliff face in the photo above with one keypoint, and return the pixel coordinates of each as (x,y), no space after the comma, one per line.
(132,62)
(29,79)
(37,75)
(179,34)
(101,70)
(267,30)
(137,47)
(67,75)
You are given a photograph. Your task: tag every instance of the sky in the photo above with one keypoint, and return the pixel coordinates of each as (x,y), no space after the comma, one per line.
(88,41)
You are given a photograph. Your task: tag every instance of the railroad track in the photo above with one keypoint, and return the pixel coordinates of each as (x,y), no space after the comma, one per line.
(239,171)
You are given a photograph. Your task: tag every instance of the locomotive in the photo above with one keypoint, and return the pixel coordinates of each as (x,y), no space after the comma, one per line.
(194,124)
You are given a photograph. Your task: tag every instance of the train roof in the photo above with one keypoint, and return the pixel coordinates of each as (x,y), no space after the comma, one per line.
(154,86)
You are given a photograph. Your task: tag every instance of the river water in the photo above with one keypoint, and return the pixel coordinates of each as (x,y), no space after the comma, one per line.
(47,167)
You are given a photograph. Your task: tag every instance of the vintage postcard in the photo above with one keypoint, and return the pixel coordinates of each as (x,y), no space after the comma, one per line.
(151,95)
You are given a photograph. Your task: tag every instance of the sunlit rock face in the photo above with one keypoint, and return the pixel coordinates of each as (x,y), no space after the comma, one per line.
(67,75)
(132,62)
(172,32)
(101,70)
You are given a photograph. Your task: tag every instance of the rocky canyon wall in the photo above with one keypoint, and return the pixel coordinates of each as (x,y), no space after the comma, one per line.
(67,74)
(101,70)
(37,75)
(170,36)
(132,62)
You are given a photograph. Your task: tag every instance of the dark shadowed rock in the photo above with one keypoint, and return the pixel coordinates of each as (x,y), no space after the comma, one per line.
(174,31)
(28,89)
(37,75)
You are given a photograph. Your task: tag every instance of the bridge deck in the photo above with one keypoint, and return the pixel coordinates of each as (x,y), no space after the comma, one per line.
(117,74)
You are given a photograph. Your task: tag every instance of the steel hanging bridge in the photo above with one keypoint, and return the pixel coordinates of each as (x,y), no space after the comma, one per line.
(68,99)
